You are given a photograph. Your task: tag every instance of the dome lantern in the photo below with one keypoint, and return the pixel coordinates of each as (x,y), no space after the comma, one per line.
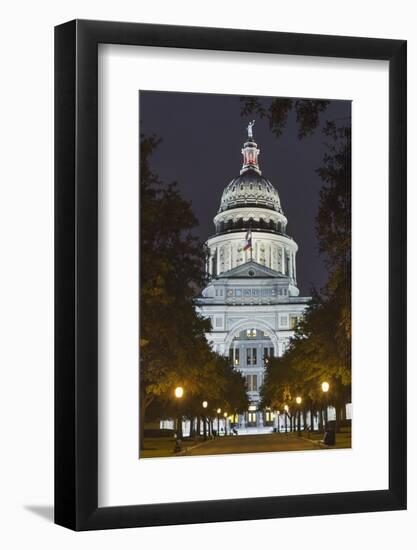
(250,152)
(250,188)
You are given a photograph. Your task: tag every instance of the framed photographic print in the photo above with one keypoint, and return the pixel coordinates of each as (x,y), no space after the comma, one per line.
(230,275)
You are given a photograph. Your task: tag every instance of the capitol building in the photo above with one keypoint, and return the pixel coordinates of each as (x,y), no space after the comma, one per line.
(252,298)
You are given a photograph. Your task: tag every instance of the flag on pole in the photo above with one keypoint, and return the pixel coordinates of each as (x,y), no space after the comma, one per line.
(248,241)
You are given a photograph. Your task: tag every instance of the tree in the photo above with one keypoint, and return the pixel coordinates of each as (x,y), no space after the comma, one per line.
(172,341)
(216,382)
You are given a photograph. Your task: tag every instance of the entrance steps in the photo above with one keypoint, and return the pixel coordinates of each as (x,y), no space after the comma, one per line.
(257,430)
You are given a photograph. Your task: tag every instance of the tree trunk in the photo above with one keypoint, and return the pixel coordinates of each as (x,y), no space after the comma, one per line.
(192,427)
(337,407)
(312,420)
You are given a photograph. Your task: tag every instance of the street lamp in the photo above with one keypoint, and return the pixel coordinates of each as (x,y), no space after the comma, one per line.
(225,422)
(286,409)
(325,389)
(205,405)
(218,421)
(298,400)
(178,392)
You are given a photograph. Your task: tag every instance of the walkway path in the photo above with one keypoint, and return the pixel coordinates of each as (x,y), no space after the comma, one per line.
(262,443)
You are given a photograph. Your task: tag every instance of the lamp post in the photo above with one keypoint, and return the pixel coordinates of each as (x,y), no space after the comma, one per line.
(298,400)
(178,392)
(325,389)
(205,405)
(285,416)
(218,421)
(225,423)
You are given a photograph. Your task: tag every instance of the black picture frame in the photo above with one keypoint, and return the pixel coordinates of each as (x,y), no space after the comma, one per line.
(76,272)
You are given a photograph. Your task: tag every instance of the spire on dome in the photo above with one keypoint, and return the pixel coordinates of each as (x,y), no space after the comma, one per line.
(250,151)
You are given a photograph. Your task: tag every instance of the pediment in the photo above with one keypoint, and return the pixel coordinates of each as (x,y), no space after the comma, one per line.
(251,270)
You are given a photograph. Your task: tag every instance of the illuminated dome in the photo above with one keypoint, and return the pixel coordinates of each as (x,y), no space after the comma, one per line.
(250,189)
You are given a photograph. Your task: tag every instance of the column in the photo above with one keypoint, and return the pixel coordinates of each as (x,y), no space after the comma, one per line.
(260,419)
(290,265)
(218,260)
(283,260)
(295,269)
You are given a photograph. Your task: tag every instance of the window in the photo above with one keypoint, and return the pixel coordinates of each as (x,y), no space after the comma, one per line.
(269,416)
(252,382)
(237,358)
(251,356)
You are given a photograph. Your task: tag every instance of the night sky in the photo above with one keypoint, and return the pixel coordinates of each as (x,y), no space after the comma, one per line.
(202,136)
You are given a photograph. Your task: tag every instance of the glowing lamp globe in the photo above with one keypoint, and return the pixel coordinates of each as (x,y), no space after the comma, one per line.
(179,392)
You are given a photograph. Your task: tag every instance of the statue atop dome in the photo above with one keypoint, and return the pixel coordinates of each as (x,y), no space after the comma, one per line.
(250,130)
